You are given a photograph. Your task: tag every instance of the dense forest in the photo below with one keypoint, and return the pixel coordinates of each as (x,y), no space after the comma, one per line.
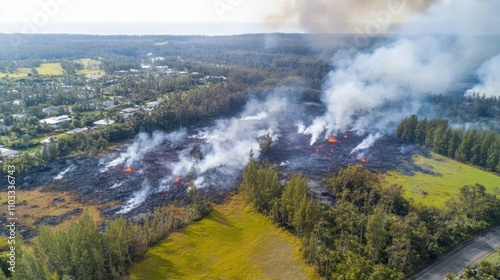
(373,232)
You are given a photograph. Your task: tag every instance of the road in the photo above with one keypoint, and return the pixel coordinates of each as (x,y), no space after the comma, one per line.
(456,260)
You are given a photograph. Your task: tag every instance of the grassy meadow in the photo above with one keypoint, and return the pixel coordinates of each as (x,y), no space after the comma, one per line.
(90,67)
(233,242)
(450,176)
(50,69)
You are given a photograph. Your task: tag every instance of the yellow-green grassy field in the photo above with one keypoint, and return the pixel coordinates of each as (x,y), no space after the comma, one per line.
(233,242)
(19,73)
(90,66)
(435,190)
(50,69)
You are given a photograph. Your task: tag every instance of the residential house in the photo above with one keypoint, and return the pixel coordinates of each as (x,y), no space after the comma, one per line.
(55,122)
(103,122)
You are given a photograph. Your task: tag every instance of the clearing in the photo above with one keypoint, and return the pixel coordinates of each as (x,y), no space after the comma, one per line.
(445,181)
(50,69)
(233,242)
(90,67)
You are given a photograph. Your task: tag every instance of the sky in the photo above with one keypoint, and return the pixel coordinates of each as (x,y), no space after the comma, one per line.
(209,17)
(224,17)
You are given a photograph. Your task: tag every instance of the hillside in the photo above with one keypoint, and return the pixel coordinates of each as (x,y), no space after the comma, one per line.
(442,179)
(233,242)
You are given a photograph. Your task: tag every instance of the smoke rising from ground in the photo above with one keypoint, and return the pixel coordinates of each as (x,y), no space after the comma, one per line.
(143,144)
(367,143)
(229,142)
(373,91)
(489,75)
(137,198)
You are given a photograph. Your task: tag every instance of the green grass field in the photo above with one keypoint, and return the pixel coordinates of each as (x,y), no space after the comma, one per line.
(19,73)
(435,190)
(50,69)
(233,242)
(91,66)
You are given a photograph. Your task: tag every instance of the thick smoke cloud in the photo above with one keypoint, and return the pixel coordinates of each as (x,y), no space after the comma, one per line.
(228,144)
(354,16)
(143,144)
(373,91)
(489,75)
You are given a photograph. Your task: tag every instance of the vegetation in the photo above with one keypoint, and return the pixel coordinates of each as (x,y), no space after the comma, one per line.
(82,251)
(439,180)
(233,242)
(488,268)
(474,146)
(373,232)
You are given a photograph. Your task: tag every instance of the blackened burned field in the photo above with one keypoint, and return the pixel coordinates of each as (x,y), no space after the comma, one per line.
(149,181)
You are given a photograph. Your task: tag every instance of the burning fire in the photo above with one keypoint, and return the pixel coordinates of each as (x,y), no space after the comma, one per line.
(177,180)
(345,136)
(128,169)
(363,160)
(332,139)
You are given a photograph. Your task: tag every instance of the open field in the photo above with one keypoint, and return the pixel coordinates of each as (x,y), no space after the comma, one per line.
(233,242)
(50,69)
(19,73)
(91,67)
(35,204)
(449,176)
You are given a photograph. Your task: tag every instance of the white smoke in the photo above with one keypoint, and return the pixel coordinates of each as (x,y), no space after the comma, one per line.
(137,198)
(489,75)
(229,142)
(367,142)
(116,185)
(63,173)
(395,77)
(143,144)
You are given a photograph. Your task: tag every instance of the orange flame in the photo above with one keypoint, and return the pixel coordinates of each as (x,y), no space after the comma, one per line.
(177,180)
(332,139)
(363,160)
(128,169)
(345,136)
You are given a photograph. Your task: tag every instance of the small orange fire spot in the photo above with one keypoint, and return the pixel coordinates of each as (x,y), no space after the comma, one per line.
(332,139)
(128,169)
(177,180)
(363,160)
(345,136)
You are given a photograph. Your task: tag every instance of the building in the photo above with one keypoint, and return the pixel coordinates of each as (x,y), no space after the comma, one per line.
(77,130)
(49,139)
(128,112)
(109,105)
(104,122)
(50,110)
(8,153)
(55,122)
(151,105)
(21,116)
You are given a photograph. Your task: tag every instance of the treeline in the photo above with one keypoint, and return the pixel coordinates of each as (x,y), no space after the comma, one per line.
(373,232)
(466,108)
(84,251)
(474,146)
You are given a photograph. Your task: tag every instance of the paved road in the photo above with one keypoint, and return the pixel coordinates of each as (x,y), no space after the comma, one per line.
(456,260)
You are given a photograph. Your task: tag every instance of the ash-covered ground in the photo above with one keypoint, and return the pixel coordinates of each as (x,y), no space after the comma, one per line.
(155,170)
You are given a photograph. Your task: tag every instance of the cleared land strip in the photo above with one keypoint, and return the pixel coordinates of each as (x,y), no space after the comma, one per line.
(457,259)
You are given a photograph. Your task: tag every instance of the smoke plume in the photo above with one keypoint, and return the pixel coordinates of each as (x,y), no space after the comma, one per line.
(489,75)
(228,144)
(373,91)
(355,16)
(143,144)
